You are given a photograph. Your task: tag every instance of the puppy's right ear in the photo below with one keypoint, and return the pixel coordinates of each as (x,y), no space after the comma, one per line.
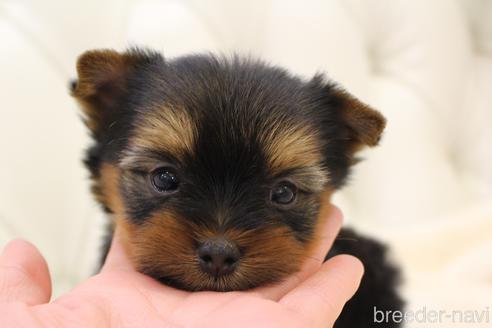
(102,77)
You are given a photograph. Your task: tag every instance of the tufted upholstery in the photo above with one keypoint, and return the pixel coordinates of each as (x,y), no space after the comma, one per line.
(427,65)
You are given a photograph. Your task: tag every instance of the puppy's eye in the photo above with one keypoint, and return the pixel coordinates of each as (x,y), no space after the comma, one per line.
(164,180)
(284,193)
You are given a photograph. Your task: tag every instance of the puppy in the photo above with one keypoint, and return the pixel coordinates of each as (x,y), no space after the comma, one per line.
(217,171)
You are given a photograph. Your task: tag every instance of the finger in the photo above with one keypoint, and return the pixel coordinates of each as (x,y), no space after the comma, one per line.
(117,258)
(322,296)
(24,274)
(313,262)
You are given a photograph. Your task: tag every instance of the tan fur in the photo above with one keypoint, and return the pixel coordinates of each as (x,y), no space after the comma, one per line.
(97,67)
(110,196)
(108,184)
(324,211)
(366,123)
(95,70)
(312,178)
(165,129)
(293,147)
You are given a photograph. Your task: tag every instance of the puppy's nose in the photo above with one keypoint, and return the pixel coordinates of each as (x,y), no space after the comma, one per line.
(218,256)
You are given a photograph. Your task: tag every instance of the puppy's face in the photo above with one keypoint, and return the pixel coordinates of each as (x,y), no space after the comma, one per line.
(216,170)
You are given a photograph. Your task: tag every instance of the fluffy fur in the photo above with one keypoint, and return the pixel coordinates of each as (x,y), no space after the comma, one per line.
(231,130)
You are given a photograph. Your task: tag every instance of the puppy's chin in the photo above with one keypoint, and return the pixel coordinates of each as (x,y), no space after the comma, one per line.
(198,281)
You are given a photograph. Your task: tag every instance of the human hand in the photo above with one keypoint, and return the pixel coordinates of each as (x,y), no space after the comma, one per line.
(119,296)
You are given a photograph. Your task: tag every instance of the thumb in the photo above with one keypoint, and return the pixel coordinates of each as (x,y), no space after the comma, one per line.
(322,297)
(24,274)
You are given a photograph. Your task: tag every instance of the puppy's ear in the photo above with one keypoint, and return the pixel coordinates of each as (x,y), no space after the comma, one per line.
(365,124)
(360,124)
(102,82)
(348,125)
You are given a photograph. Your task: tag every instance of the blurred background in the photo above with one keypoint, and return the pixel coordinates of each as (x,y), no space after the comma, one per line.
(427,65)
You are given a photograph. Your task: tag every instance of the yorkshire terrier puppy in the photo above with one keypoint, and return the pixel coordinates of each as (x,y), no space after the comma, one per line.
(216,170)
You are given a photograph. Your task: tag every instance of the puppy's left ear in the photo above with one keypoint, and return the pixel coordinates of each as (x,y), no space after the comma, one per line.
(102,84)
(365,124)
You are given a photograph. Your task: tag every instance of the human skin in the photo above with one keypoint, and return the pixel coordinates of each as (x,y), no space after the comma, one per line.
(119,296)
